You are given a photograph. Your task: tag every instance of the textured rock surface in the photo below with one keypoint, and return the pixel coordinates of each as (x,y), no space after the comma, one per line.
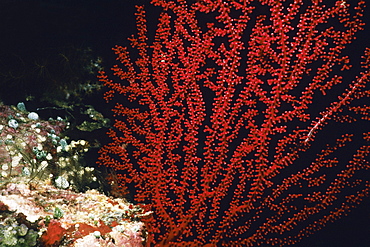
(65,218)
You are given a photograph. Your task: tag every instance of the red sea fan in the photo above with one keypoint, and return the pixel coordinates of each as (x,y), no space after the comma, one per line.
(243,123)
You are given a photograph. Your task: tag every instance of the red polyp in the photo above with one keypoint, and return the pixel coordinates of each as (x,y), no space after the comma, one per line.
(242,124)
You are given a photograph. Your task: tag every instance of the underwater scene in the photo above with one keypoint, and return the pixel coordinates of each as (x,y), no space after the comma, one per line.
(128,123)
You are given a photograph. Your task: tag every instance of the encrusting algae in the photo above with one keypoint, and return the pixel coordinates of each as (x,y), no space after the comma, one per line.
(41,199)
(66,218)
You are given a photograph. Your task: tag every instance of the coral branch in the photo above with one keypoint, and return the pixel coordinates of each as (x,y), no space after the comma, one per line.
(224,118)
